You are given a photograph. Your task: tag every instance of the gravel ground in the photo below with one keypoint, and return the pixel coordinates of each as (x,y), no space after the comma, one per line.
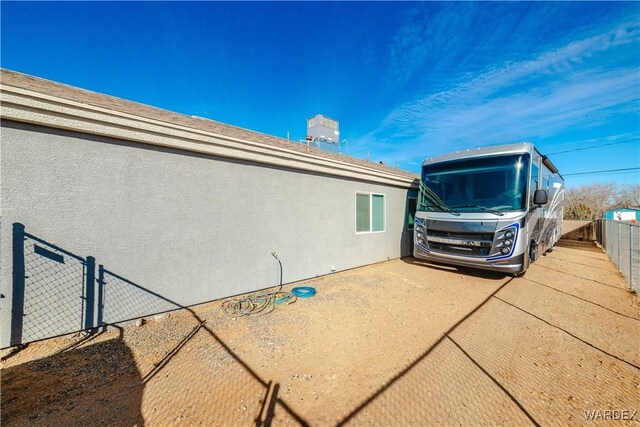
(402,342)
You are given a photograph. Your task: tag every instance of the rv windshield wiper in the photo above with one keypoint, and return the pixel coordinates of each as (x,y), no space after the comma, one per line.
(436,200)
(493,211)
(443,207)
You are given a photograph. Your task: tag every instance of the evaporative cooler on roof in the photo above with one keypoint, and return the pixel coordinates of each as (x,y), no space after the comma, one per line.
(323,129)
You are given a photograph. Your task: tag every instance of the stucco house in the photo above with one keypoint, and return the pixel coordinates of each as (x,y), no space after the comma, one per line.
(112,210)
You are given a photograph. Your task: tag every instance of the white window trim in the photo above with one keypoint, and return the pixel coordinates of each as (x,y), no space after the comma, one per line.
(384,212)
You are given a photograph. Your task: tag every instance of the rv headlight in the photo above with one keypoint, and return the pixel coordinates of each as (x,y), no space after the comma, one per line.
(508,234)
(505,250)
(419,228)
(508,242)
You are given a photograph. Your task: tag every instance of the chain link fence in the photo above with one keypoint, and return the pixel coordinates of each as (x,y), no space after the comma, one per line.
(120,299)
(621,241)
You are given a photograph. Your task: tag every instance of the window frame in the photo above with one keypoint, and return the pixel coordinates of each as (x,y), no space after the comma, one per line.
(384,212)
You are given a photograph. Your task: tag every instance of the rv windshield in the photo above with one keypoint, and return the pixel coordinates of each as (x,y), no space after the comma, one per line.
(488,184)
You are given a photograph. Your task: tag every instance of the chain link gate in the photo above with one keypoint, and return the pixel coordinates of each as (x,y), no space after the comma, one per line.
(56,292)
(52,289)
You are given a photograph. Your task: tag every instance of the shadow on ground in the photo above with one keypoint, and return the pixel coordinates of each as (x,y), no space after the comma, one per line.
(75,387)
(181,364)
(473,272)
(520,362)
(579,245)
(540,349)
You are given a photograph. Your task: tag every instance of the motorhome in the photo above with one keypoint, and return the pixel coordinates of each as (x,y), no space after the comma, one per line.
(496,208)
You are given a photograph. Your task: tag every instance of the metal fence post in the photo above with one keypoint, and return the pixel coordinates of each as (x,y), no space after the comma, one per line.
(612,240)
(619,251)
(17,291)
(631,278)
(100,317)
(90,299)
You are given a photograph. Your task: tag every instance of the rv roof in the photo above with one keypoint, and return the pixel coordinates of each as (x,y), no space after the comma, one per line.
(520,147)
(492,150)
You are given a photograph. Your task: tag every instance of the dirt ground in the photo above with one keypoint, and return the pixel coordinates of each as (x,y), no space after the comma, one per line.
(402,342)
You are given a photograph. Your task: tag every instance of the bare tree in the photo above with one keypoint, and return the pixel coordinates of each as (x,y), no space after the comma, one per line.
(588,202)
(628,196)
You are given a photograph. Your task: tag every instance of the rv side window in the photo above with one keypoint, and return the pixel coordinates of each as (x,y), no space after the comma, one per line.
(535,179)
(546,177)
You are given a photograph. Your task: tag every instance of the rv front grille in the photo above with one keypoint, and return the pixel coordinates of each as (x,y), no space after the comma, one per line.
(470,244)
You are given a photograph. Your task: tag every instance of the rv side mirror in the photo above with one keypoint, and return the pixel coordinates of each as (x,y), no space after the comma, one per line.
(540,197)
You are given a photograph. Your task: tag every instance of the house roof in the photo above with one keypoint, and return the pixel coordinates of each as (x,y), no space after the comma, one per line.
(623,209)
(13,79)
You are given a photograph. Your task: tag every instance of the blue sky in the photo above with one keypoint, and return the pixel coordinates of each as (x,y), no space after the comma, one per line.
(405,80)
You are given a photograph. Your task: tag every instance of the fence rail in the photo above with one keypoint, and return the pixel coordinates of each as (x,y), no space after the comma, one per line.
(621,241)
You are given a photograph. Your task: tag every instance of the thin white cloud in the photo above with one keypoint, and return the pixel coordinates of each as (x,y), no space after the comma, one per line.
(564,87)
